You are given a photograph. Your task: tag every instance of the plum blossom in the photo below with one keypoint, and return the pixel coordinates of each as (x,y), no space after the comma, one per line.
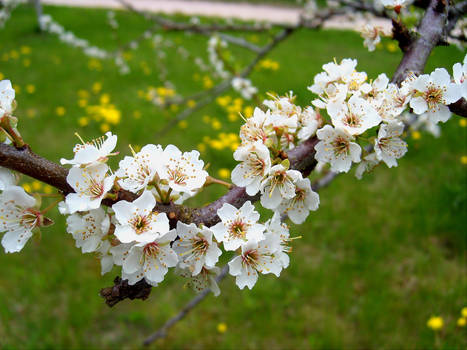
(279,185)
(355,117)
(91,185)
(7,98)
(254,128)
(183,171)
(195,248)
(137,172)
(336,147)
(137,222)
(103,253)
(88,229)
(371,34)
(367,164)
(256,257)
(149,260)
(309,120)
(7,178)
(205,279)
(298,207)
(244,87)
(278,230)
(395,5)
(433,93)
(255,165)
(18,218)
(96,151)
(333,73)
(389,146)
(460,76)
(237,226)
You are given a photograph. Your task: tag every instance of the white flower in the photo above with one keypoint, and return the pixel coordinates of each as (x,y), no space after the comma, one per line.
(395,101)
(396,5)
(244,87)
(371,34)
(91,185)
(184,172)
(7,97)
(336,147)
(367,164)
(136,172)
(254,128)
(107,260)
(433,93)
(305,199)
(18,218)
(136,221)
(309,121)
(389,146)
(255,164)
(96,151)
(7,178)
(256,257)
(146,260)
(278,186)
(88,229)
(333,72)
(460,76)
(279,231)
(205,279)
(237,226)
(195,248)
(356,116)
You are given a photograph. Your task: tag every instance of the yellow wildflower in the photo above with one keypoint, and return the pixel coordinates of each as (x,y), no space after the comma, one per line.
(392,47)
(104,127)
(222,327)
(2,76)
(463,122)
(216,124)
(96,87)
(27,187)
(48,189)
(136,114)
(191,103)
(232,117)
(60,111)
(223,101)
(201,147)
(82,103)
(83,94)
(224,173)
(104,99)
(36,185)
(435,323)
(416,135)
(461,322)
(30,89)
(464,312)
(206,119)
(464,160)
(248,111)
(182,124)
(207,82)
(26,62)
(83,121)
(14,54)
(25,50)
(17,88)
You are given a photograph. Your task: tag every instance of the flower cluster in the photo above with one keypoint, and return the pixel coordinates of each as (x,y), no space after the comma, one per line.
(366,118)
(264,167)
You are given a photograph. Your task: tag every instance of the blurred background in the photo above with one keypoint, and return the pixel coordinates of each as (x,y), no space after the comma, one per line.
(379,258)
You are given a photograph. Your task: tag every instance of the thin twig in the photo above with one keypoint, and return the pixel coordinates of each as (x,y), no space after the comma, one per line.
(162,332)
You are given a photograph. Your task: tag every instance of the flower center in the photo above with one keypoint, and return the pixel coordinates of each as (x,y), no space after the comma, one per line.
(30,218)
(340,145)
(352,120)
(238,229)
(250,258)
(140,224)
(256,165)
(200,245)
(177,176)
(434,97)
(151,250)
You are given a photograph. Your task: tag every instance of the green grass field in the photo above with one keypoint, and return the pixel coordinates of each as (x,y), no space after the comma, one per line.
(378,258)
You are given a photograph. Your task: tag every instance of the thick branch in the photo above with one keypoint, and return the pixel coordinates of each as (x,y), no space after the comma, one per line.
(430,31)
